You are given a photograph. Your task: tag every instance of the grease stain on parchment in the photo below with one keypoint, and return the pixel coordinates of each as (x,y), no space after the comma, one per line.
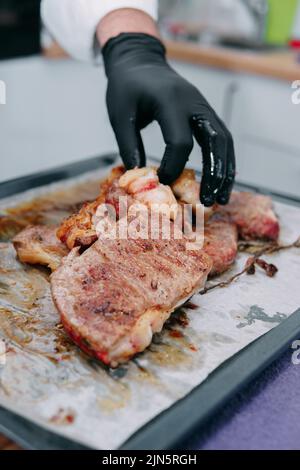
(117,397)
(257,313)
(48,209)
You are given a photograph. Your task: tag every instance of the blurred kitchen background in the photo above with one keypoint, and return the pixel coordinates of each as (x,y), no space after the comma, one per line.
(243,55)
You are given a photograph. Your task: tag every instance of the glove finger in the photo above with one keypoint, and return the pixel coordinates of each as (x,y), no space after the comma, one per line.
(178,138)
(226,189)
(130,142)
(212,141)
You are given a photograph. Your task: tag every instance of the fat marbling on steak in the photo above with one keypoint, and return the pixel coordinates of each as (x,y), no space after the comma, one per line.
(118,293)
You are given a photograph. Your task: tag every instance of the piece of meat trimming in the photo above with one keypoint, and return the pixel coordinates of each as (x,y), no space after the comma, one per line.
(38,244)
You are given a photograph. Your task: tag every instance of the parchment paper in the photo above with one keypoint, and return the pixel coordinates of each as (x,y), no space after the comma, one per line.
(46,379)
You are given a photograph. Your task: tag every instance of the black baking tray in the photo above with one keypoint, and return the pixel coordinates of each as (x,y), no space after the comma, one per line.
(171,427)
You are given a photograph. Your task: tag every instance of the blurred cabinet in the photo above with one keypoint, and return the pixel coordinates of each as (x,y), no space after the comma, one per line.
(55,114)
(265,125)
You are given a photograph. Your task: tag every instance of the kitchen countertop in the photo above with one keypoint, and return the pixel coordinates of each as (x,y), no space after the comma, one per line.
(263,416)
(276,64)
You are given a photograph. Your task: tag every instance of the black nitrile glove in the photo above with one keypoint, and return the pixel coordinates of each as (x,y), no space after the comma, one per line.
(142,87)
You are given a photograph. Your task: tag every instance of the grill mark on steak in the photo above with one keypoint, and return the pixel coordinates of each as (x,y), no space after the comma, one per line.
(220,243)
(132,294)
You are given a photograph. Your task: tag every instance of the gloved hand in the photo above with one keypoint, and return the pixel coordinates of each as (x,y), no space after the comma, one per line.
(142,87)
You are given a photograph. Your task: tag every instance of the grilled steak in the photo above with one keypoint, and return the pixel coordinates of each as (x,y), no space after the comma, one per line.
(40,245)
(118,293)
(220,243)
(115,295)
(253,215)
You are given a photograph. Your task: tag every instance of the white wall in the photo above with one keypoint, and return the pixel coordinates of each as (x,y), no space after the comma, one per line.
(265,123)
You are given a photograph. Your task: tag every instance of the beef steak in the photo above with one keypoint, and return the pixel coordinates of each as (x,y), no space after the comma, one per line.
(118,293)
(220,243)
(253,215)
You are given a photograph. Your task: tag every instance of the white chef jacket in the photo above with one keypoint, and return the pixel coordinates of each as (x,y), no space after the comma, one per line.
(73,23)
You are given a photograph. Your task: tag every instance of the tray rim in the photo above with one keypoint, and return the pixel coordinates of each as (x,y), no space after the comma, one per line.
(162,432)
